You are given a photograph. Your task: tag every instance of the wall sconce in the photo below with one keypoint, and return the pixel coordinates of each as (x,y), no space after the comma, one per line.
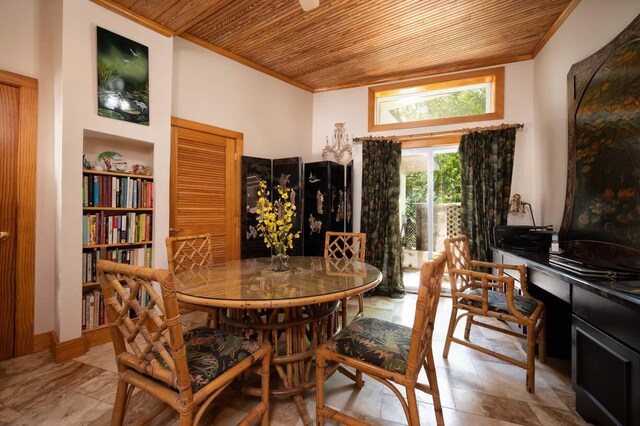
(516,205)
(340,147)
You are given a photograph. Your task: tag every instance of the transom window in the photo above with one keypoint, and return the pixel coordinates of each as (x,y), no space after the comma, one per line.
(457,98)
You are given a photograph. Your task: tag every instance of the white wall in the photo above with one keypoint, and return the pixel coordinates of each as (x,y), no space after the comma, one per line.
(79,106)
(593,24)
(350,106)
(274,116)
(27,44)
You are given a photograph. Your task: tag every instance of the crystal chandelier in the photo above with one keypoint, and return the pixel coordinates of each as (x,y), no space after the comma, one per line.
(340,147)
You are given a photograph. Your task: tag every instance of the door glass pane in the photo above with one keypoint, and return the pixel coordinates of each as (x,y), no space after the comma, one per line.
(429,206)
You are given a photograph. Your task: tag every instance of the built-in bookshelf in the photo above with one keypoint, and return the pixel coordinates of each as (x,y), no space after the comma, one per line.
(117,225)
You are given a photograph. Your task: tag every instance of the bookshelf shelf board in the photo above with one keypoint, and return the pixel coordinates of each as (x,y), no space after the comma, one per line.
(138,243)
(98,327)
(103,173)
(118,209)
(90,284)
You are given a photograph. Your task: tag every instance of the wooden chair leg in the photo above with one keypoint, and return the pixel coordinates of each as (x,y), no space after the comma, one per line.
(447,343)
(531,359)
(467,328)
(264,372)
(343,312)
(186,419)
(430,368)
(320,366)
(412,402)
(360,305)
(119,407)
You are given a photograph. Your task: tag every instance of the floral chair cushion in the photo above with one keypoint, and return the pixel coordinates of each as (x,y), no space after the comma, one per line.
(378,342)
(211,352)
(498,302)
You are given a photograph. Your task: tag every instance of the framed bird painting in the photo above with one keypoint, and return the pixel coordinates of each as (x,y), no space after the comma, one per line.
(123,78)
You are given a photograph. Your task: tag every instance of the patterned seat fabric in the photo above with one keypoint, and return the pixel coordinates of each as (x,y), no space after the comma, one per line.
(378,342)
(211,352)
(498,302)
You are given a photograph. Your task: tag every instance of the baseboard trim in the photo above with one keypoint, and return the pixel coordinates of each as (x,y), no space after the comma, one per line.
(64,351)
(43,342)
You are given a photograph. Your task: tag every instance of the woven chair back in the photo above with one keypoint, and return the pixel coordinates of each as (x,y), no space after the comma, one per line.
(426,308)
(344,245)
(458,257)
(145,328)
(189,252)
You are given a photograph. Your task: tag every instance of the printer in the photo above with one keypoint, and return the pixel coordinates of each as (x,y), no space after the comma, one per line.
(523,238)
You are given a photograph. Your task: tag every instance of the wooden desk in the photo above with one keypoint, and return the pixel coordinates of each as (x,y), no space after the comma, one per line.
(294,311)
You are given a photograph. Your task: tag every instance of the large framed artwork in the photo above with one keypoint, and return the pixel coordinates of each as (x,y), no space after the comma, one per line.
(123,78)
(601,222)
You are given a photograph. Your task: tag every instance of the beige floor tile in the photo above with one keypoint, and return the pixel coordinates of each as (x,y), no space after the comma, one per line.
(28,390)
(495,407)
(102,387)
(510,381)
(69,408)
(446,399)
(554,417)
(24,364)
(102,356)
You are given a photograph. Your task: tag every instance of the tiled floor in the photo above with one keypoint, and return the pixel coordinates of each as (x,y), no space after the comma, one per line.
(475,389)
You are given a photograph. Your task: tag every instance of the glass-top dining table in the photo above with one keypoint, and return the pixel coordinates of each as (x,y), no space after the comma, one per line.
(294,310)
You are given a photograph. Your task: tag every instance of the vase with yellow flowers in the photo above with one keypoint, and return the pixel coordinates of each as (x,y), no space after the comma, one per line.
(275,224)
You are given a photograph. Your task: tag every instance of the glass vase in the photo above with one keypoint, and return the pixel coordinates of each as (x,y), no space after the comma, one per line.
(280,263)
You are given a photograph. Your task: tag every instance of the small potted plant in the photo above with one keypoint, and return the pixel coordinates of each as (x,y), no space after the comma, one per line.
(275,224)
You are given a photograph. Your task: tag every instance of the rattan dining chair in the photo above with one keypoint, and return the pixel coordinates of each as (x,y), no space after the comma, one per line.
(346,245)
(185,371)
(187,253)
(493,296)
(388,352)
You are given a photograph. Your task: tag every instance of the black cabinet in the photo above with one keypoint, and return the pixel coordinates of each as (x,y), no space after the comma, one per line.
(605,376)
(253,171)
(325,207)
(285,172)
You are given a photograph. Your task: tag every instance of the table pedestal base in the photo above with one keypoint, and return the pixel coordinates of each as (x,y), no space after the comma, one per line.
(294,333)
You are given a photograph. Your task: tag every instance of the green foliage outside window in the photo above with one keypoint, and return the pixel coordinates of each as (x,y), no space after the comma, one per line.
(446,181)
(455,104)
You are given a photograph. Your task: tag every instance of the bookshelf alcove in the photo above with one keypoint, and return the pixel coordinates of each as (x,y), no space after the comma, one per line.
(117,220)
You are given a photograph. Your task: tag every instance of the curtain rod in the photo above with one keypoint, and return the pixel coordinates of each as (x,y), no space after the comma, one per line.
(440,134)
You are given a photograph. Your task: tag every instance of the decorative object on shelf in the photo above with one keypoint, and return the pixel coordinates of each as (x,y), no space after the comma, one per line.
(312,178)
(86,164)
(314,224)
(275,223)
(123,78)
(141,169)
(110,161)
(516,205)
(340,147)
(319,202)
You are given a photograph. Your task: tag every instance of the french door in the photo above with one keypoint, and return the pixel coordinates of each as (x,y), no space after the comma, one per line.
(429,207)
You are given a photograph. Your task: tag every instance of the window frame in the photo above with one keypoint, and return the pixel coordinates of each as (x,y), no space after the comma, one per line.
(490,75)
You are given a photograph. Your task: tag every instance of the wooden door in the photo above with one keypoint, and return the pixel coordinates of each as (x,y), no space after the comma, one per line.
(205,185)
(9,120)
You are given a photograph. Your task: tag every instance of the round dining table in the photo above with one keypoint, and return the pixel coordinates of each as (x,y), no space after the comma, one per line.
(294,311)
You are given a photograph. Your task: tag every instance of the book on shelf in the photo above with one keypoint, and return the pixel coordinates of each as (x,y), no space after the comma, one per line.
(117,191)
(139,256)
(99,228)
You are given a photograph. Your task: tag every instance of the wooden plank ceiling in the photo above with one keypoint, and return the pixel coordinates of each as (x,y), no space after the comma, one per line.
(346,43)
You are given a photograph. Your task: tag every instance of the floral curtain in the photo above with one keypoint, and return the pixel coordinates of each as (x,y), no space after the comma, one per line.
(381,213)
(486,158)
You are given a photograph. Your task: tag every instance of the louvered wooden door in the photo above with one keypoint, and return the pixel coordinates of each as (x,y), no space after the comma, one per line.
(205,185)
(9,116)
